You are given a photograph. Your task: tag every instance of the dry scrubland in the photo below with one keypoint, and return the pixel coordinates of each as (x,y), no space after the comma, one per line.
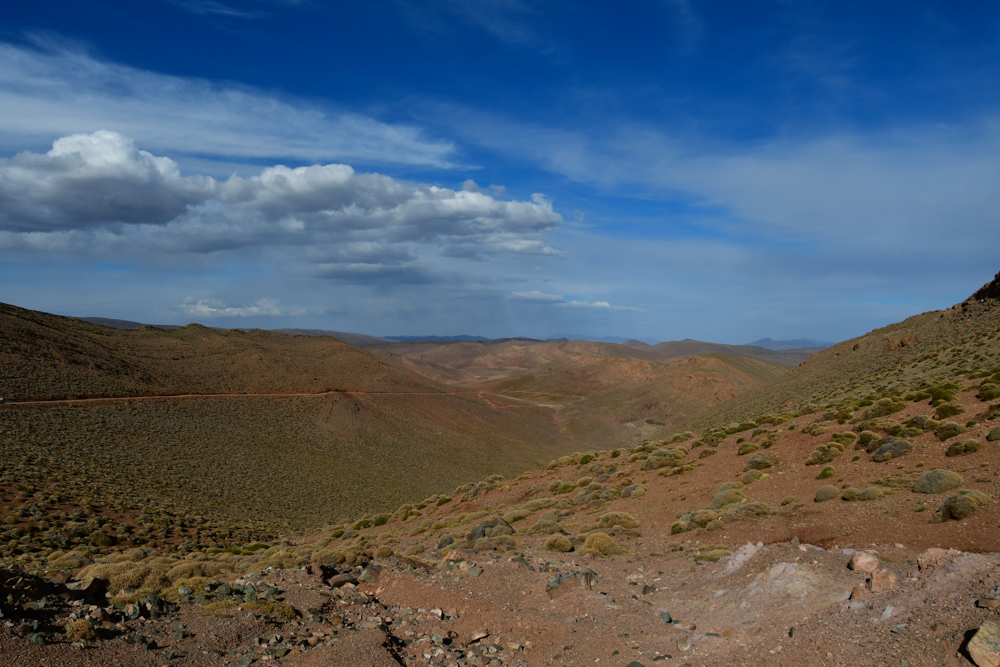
(727,542)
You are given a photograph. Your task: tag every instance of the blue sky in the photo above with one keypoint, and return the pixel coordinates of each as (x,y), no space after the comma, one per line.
(724,171)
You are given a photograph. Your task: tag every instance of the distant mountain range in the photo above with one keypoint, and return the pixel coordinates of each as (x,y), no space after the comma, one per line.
(620,340)
(364,340)
(795,344)
(462,337)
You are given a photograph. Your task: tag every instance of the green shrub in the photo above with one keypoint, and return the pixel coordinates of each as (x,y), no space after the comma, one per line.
(727,498)
(871,493)
(612,519)
(883,408)
(962,448)
(824,453)
(824,493)
(586,458)
(559,543)
(273,608)
(827,472)
(602,545)
(949,430)
(946,410)
(80,630)
(850,494)
(787,500)
(747,448)
(868,441)
(960,505)
(845,438)
(987,392)
(938,481)
(816,428)
(751,476)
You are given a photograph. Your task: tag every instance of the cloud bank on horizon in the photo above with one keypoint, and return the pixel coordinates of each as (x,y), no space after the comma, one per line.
(682,170)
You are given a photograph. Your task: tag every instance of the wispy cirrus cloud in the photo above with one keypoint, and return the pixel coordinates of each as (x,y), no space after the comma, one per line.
(214,8)
(534,296)
(52,90)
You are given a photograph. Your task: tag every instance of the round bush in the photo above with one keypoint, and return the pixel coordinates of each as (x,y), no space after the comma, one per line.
(960,505)
(938,481)
(601,544)
(827,472)
(612,519)
(824,493)
(962,448)
(850,495)
(727,498)
(558,543)
(871,493)
(81,630)
(751,476)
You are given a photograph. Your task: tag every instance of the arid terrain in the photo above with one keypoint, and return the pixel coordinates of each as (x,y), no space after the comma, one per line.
(841,512)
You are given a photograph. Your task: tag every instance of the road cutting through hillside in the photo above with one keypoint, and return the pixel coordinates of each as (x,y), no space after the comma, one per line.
(335,392)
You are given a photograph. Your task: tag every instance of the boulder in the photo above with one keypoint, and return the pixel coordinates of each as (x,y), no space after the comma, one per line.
(493,528)
(882,580)
(984,647)
(891,450)
(762,461)
(864,561)
(994,435)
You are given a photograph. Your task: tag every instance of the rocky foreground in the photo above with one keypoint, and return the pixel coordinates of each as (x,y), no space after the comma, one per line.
(779,604)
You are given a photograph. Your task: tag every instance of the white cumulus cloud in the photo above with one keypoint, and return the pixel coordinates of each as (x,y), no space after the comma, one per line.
(212,309)
(99,193)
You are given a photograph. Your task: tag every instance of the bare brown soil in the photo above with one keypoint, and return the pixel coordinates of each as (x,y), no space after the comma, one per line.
(604,394)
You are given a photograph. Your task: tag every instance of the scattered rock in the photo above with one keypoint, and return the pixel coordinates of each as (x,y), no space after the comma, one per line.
(891,450)
(984,647)
(882,580)
(495,527)
(761,461)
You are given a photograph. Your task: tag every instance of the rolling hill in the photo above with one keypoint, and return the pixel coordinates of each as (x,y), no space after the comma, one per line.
(840,512)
